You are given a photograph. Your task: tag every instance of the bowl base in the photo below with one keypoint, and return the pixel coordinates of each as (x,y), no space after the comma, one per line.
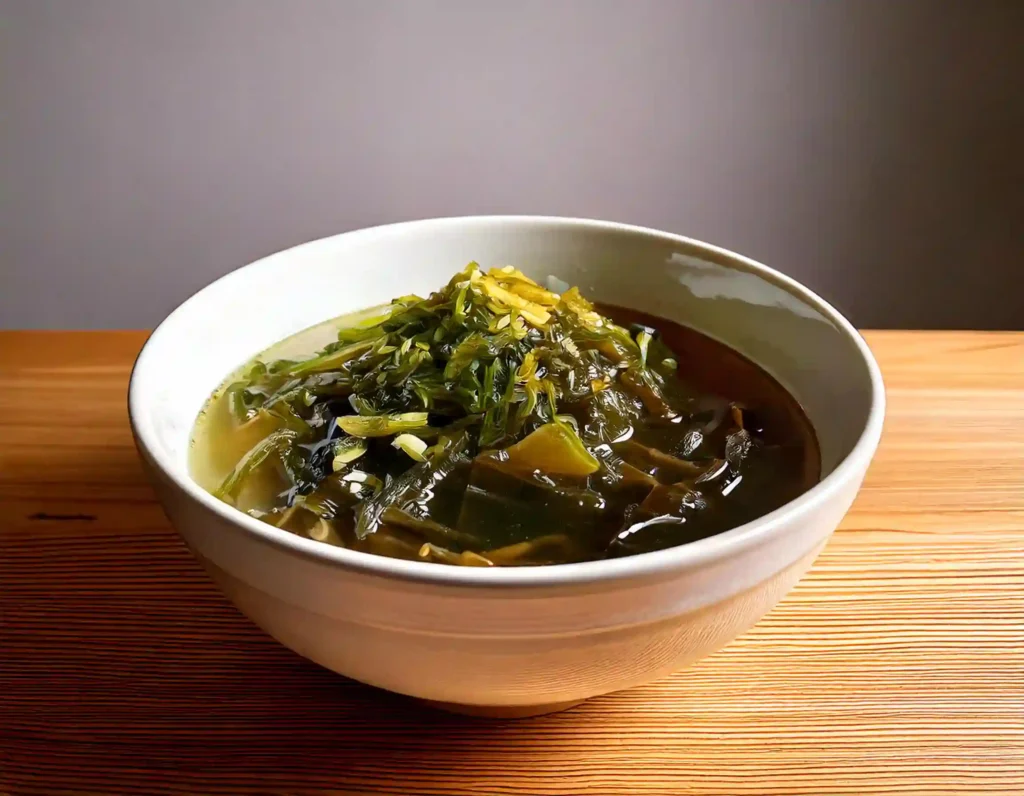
(501,711)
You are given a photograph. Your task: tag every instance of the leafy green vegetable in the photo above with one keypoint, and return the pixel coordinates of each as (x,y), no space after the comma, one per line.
(494,422)
(491,354)
(276,443)
(346,451)
(412,445)
(404,491)
(553,449)
(382,425)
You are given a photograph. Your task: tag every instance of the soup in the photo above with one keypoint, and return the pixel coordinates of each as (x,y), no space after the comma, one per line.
(497,423)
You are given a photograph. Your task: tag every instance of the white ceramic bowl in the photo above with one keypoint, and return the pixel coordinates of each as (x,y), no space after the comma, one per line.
(520,639)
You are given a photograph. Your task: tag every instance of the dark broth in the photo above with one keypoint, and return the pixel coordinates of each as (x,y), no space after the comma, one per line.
(670,483)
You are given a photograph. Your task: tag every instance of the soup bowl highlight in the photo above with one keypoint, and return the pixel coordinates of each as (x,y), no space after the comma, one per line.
(514,640)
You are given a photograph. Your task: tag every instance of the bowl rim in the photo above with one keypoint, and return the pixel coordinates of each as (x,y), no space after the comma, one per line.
(683,557)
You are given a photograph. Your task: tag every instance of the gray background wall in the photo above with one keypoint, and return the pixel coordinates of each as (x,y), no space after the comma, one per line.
(871,148)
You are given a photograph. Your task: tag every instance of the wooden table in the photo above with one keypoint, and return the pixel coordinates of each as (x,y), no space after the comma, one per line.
(896,666)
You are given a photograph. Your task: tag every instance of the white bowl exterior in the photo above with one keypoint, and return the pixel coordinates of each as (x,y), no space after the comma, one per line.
(509,637)
(486,646)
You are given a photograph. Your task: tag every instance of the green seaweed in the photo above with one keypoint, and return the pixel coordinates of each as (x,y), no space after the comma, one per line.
(521,405)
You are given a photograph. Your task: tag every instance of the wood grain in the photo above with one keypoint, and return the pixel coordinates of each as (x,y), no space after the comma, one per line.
(896,666)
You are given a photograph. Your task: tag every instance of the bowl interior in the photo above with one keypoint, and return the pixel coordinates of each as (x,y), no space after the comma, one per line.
(770,319)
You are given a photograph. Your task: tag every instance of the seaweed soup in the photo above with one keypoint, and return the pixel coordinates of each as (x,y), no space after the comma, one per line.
(499,423)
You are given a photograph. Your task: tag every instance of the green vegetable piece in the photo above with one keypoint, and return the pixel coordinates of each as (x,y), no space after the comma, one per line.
(505,504)
(553,449)
(661,465)
(426,529)
(382,425)
(442,555)
(278,442)
(346,451)
(331,360)
(529,552)
(410,485)
(643,340)
(412,445)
